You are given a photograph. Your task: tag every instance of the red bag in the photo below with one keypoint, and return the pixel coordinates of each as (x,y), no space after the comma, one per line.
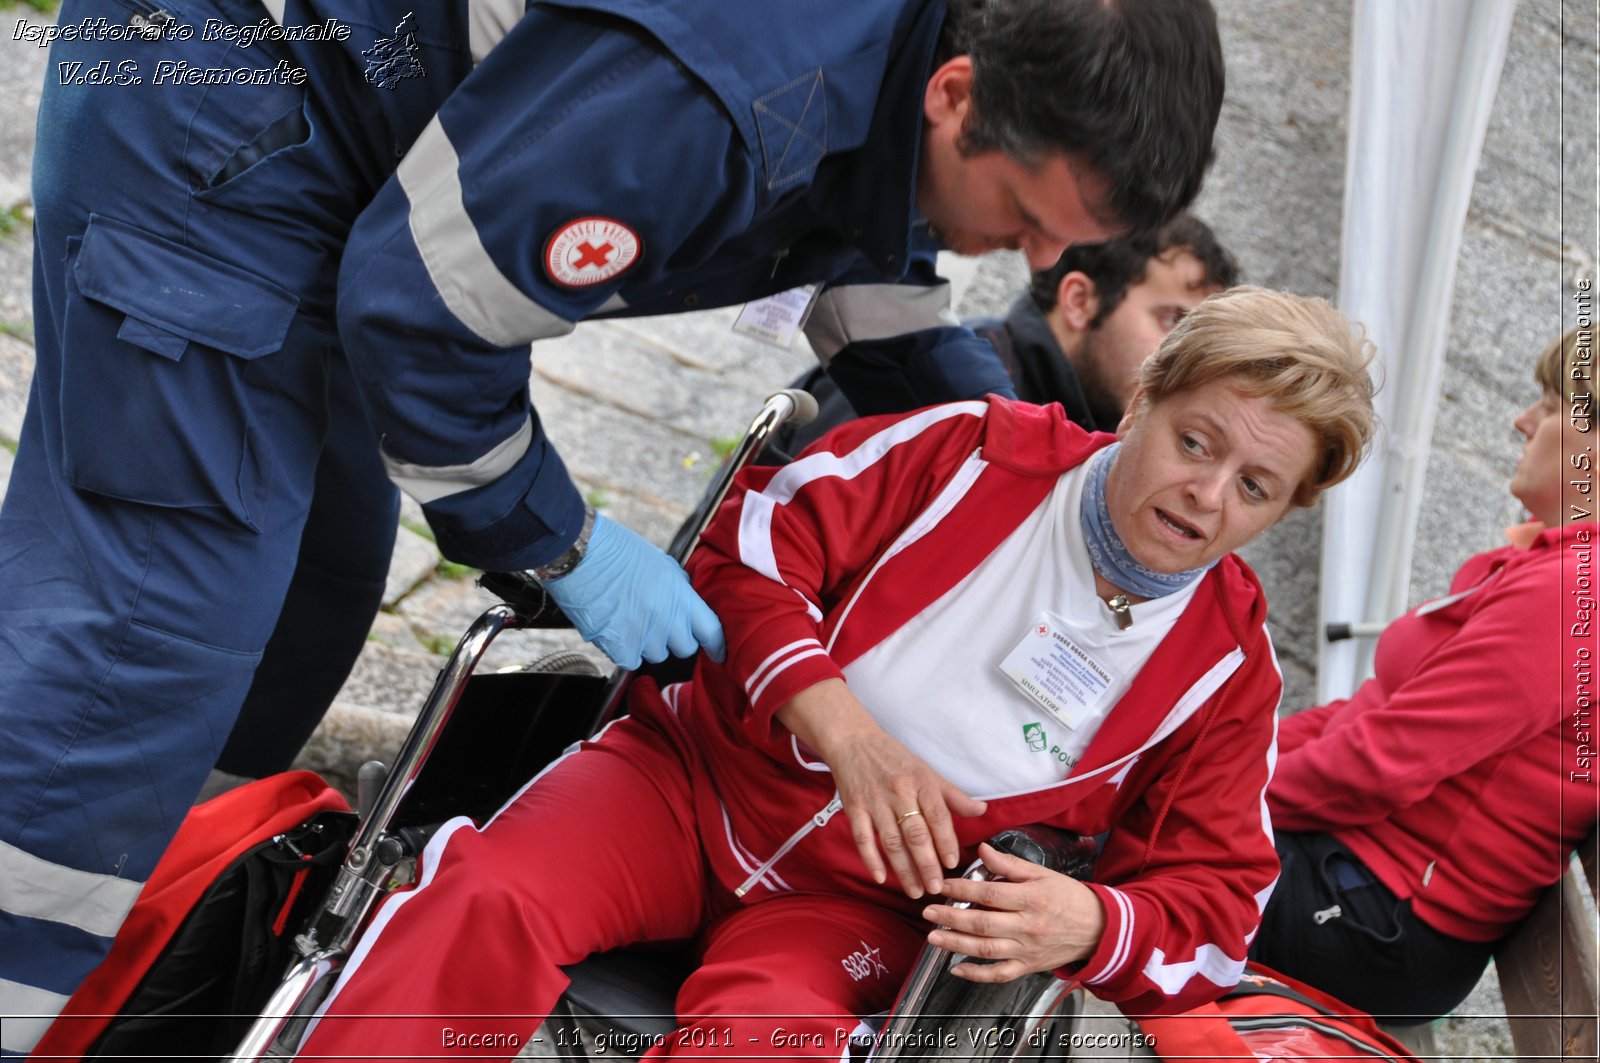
(1269,1016)
(244,851)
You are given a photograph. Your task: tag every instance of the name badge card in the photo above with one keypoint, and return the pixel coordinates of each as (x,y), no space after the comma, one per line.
(1057,671)
(778,319)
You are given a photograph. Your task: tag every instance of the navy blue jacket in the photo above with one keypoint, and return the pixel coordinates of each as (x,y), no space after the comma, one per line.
(729,150)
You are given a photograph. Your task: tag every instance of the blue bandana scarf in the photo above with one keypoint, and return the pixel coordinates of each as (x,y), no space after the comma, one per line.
(1106,550)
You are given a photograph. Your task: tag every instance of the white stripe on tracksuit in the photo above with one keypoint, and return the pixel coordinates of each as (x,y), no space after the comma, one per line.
(759,676)
(814,651)
(757,508)
(1209,960)
(748,860)
(1119,954)
(1265,893)
(756,548)
(430,859)
(388,908)
(953,492)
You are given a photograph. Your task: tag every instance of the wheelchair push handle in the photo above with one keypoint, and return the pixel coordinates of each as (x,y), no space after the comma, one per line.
(533,605)
(790,406)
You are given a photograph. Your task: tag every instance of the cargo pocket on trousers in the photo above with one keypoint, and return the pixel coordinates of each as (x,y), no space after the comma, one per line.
(157,336)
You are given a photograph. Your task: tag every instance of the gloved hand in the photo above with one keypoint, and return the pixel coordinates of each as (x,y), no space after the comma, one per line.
(630,599)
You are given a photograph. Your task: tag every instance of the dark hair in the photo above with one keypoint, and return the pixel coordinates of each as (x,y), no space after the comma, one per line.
(1119,264)
(1131,88)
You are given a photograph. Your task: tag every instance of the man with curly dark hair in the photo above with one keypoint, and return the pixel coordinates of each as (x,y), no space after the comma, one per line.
(1080,333)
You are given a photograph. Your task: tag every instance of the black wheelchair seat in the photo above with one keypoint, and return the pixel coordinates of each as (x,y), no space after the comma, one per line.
(632,991)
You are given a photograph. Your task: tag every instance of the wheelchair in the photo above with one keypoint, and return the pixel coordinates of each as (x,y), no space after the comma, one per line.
(480,737)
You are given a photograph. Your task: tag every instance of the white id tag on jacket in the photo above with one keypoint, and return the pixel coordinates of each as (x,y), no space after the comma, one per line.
(778,319)
(1056,670)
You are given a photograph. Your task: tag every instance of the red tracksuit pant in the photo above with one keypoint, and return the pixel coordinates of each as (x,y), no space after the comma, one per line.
(603,850)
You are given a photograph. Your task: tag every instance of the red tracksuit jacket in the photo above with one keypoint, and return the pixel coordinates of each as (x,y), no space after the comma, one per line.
(812,564)
(1462,773)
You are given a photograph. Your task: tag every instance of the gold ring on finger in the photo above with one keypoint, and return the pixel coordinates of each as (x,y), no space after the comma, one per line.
(907,815)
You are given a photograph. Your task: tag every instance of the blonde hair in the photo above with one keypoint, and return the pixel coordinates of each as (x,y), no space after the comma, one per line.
(1566,368)
(1302,354)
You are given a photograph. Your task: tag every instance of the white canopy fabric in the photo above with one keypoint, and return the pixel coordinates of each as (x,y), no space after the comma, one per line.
(1422,82)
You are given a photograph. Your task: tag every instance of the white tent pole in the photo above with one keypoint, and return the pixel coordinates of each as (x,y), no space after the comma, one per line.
(1422,360)
(1423,75)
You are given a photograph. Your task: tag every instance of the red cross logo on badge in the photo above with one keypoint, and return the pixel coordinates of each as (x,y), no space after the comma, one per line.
(588,251)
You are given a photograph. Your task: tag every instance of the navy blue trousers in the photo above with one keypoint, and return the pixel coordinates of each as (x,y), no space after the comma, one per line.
(197,519)
(1332,924)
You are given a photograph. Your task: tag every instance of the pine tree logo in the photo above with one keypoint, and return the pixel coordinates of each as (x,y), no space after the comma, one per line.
(1033,734)
(392,60)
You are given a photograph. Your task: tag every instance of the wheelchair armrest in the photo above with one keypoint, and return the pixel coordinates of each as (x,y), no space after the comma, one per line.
(1049,847)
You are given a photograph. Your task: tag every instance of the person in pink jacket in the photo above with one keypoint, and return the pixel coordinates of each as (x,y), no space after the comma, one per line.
(940,625)
(1420,819)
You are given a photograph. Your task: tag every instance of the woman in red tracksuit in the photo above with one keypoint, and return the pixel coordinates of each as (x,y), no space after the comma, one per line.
(974,617)
(1421,819)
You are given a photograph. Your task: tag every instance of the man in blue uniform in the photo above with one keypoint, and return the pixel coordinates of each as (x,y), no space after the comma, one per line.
(288,251)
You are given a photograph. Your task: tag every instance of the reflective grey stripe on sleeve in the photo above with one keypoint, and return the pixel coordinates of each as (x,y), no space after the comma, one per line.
(472,286)
(488,21)
(38,889)
(426,483)
(28,1013)
(856,312)
(275,9)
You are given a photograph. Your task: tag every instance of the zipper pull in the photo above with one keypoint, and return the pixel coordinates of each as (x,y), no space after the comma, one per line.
(1327,913)
(1121,612)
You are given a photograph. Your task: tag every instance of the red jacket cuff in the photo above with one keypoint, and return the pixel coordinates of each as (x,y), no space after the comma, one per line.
(1110,957)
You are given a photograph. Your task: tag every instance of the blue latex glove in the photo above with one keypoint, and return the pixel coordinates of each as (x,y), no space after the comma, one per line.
(630,599)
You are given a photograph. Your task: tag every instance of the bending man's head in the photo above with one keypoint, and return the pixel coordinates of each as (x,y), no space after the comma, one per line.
(1051,122)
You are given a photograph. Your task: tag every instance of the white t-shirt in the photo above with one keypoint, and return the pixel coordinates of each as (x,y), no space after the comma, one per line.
(939,686)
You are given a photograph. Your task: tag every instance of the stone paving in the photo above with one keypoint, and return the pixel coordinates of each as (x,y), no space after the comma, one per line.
(641,409)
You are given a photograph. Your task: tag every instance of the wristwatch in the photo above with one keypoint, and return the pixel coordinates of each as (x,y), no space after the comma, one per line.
(574,553)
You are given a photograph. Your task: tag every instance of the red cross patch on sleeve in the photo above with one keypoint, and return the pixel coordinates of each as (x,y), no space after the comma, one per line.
(589,251)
